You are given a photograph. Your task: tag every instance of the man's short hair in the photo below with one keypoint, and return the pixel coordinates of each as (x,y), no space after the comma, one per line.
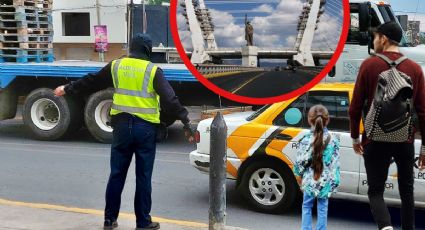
(392,42)
(391,30)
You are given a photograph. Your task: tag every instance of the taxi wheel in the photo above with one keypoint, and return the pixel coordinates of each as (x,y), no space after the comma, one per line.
(269,186)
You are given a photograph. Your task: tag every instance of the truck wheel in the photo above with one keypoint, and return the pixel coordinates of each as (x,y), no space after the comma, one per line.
(96,115)
(49,117)
(269,187)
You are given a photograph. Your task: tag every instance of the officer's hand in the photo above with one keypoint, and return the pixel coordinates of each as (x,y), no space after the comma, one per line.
(189,133)
(60,91)
(421,163)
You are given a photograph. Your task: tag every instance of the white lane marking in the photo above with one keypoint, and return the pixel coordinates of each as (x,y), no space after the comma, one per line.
(261,140)
(22,150)
(61,147)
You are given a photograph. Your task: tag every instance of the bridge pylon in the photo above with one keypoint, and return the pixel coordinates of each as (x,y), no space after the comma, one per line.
(199,20)
(307,25)
(207,25)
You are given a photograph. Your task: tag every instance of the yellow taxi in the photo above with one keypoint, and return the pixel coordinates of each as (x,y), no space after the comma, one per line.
(262,147)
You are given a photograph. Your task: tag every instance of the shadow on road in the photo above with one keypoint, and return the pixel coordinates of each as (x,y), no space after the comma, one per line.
(361,212)
(345,210)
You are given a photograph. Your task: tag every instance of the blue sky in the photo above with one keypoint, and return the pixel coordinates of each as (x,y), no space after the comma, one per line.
(274,22)
(409,7)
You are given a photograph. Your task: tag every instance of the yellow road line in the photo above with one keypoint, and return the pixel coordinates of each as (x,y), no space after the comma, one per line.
(98,213)
(217,75)
(247,82)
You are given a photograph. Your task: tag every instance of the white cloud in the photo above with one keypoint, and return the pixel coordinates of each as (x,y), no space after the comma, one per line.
(328,33)
(291,40)
(184,33)
(264,9)
(227,32)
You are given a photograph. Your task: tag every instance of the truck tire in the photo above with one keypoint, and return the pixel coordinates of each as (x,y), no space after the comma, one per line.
(48,117)
(97,118)
(269,186)
(8,102)
(96,115)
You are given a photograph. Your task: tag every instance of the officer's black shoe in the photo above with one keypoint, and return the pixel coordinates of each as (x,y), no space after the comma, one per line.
(151,226)
(110,224)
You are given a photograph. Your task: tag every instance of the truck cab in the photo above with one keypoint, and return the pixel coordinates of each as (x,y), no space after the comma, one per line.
(365,16)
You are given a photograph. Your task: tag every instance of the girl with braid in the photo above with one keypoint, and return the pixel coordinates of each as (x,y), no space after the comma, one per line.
(317,167)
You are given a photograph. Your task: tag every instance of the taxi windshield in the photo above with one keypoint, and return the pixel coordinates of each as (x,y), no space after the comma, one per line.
(257,113)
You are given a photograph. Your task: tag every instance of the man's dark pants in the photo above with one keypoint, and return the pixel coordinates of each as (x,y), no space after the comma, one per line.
(378,157)
(131,136)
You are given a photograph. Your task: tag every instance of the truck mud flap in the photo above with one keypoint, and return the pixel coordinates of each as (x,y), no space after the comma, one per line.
(8,102)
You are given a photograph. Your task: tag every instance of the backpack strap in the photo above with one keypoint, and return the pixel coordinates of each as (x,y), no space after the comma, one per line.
(400,60)
(391,62)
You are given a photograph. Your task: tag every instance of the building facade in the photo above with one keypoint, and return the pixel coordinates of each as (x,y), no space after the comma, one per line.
(414,30)
(73,24)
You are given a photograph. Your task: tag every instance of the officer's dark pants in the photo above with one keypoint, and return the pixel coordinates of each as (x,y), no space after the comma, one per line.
(378,156)
(131,135)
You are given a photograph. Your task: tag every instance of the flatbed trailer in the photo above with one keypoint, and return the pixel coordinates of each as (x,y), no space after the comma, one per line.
(48,117)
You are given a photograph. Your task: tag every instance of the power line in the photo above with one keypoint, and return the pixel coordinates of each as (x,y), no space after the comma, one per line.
(221,2)
(409,12)
(337,9)
(417,7)
(90,7)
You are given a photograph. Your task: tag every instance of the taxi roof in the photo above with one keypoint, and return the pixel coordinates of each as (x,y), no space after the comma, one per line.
(277,107)
(334,86)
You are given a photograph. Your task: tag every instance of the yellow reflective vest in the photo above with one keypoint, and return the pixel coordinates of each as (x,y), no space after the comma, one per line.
(134,91)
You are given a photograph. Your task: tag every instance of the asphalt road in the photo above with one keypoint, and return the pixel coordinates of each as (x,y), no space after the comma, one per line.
(263,84)
(74,173)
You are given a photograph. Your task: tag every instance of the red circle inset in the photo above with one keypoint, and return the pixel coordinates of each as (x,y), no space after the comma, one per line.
(259,101)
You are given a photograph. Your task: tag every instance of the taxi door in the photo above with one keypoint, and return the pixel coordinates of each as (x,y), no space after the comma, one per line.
(293,124)
(337,102)
(287,127)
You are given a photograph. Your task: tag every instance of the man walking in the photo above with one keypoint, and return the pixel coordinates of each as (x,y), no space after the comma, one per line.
(139,87)
(378,154)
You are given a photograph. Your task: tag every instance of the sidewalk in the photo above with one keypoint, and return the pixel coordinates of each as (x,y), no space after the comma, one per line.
(29,216)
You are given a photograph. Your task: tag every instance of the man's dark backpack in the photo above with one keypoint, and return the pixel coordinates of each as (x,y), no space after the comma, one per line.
(389,118)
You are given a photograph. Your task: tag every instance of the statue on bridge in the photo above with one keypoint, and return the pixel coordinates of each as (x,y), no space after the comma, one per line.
(249,32)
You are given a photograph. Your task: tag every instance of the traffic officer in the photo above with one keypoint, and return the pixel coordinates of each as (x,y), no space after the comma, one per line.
(140,89)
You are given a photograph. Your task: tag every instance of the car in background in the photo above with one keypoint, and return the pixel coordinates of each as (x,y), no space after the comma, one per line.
(262,147)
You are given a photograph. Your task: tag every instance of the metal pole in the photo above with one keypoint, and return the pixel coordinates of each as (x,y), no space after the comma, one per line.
(144,18)
(218,159)
(130,26)
(101,54)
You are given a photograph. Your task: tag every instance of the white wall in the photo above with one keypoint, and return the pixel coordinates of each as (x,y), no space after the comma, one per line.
(112,14)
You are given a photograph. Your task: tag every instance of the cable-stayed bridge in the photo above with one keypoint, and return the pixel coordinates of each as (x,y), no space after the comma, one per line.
(206,50)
